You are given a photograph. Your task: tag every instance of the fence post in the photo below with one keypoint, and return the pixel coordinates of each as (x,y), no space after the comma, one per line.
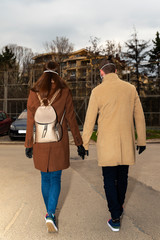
(5,108)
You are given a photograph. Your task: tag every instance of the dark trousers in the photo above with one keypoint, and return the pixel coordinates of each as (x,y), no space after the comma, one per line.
(115,185)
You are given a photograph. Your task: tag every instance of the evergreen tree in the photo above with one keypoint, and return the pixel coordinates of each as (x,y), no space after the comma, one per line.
(155,55)
(136,54)
(7,59)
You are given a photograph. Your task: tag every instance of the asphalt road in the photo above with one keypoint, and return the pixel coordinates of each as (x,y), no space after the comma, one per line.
(82,210)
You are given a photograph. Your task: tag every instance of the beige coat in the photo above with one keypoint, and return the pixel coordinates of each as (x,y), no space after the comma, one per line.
(118,106)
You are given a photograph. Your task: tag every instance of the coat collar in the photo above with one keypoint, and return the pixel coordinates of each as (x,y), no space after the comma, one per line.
(110,77)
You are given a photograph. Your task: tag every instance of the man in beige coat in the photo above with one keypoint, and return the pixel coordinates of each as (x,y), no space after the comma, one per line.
(118,107)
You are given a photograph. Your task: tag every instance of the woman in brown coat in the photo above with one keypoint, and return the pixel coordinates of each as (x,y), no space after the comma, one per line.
(52,157)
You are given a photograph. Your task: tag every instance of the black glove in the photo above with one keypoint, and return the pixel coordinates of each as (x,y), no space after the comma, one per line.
(87,152)
(141,149)
(29,152)
(81,151)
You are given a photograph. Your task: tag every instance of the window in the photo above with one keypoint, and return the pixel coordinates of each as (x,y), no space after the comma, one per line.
(84,63)
(72,64)
(1,117)
(23,115)
(4,115)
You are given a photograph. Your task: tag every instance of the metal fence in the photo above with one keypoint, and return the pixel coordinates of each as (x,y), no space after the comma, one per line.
(13,93)
(151,107)
(14,90)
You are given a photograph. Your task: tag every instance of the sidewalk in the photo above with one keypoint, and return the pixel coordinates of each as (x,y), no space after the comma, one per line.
(6,140)
(82,210)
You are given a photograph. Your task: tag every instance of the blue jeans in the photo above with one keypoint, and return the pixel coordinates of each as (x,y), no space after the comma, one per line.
(51,187)
(115,185)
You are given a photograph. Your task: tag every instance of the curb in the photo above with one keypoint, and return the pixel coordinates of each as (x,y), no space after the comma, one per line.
(11,143)
(71,142)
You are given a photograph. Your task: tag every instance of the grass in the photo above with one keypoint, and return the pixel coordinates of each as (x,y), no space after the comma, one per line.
(94,136)
(150,133)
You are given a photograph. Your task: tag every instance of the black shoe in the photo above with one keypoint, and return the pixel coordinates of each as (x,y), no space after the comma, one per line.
(114,224)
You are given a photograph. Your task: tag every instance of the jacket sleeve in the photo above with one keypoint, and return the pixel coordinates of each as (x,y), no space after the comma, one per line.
(71,119)
(30,121)
(90,120)
(139,121)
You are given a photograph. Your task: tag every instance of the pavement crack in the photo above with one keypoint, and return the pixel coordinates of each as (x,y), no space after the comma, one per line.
(30,214)
(14,218)
(144,185)
(138,227)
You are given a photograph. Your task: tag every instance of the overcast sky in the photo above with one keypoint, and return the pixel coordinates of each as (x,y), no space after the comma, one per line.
(30,23)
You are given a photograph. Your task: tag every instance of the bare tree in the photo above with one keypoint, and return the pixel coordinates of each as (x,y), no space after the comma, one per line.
(95,48)
(112,48)
(23,56)
(94,51)
(60,45)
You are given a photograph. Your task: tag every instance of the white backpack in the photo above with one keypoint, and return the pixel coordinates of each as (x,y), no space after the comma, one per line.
(47,129)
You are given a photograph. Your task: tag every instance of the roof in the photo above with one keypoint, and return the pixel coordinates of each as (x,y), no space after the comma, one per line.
(82,51)
(44,54)
(75,58)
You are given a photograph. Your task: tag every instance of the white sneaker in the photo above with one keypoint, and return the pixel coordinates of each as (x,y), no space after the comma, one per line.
(51,223)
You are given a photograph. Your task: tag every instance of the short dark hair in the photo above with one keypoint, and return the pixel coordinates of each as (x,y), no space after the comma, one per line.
(107,65)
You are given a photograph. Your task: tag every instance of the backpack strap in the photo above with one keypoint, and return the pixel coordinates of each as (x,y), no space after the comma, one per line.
(40,99)
(54,96)
(62,117)
(49,102)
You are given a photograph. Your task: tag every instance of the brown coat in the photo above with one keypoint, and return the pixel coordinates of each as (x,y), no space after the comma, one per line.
(118,106)
(53,156)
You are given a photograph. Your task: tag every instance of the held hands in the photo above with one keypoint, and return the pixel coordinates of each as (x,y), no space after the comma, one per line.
(81,151)
(87,152)
(29,152)
(140,149)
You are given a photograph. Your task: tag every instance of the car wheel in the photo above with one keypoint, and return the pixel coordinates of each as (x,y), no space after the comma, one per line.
(12,138)
(8,132)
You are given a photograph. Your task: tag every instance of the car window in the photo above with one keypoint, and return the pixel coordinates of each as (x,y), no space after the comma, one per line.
(4,115)
(23,115)
(1,117)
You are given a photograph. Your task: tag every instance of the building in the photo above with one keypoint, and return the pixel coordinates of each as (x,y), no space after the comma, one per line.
(80,69)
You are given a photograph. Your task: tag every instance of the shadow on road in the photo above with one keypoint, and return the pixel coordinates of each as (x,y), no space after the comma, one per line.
(65,186)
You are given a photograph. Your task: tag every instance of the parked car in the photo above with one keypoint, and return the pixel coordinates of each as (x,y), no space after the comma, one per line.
(19,126)
(5,122)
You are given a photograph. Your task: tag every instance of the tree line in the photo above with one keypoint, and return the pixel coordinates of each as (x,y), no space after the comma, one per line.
(138,54)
